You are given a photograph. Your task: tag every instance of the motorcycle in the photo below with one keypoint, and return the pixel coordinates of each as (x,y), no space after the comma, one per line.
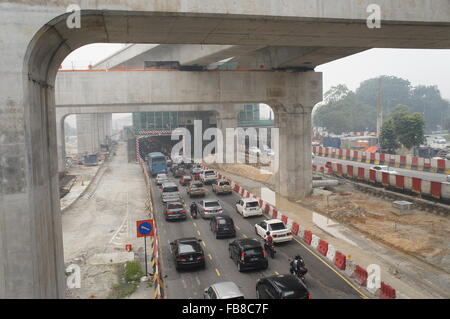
(295,271)
(270,249)
(194,214)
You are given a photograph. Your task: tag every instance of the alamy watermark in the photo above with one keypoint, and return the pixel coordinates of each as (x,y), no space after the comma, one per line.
(73,21)
(374,19)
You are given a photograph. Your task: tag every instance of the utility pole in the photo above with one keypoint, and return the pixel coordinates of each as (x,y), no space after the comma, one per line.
(379,108)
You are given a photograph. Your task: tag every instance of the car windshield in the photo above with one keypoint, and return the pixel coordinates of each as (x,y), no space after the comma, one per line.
(209,173)
(254,252)
(170,189)
(252,204)
(277,226)
(197,185)
(175,206)
(158,160)
(224,184)
(211,204)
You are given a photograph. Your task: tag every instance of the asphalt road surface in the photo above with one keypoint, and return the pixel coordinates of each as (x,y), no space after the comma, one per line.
(322,280)
(435,177)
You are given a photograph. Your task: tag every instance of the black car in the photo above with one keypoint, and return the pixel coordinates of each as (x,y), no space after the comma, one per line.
(222,226)
(188,253)
(281,287)
(175,210)
(248,253)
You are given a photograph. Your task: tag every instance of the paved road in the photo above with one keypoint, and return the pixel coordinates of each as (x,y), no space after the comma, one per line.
(322,280)
(318,160)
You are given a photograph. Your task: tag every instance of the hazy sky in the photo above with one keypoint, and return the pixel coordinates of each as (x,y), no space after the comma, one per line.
(426,67)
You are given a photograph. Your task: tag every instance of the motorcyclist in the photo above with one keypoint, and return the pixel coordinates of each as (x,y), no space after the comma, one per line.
(194,208)
(268,241)
(298,265)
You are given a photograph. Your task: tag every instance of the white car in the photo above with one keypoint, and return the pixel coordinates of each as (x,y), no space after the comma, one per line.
(208,176)
(248,207)
(279,231)
(161,178)
(254,150)
(383,168)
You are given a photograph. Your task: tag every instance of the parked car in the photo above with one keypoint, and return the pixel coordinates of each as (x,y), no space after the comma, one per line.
(170,193)
(208,176)
(383,168)
(175,210)
(281,287)
(186,179)
(221,186)
(196,189)
(188,253)
(248,207)
(223,290)
(248,253)
(161,178)
(279,231)
(209,207)
(222,226)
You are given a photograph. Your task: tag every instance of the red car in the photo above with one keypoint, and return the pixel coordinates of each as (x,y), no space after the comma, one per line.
(185,180)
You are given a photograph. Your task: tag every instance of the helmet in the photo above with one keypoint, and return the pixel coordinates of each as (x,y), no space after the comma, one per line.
(268,233)
(193,202)
(298,257)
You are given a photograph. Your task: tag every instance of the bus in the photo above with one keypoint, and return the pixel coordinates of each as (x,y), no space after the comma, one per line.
(157,163)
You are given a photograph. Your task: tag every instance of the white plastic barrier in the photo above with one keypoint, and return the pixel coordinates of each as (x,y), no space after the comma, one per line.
(331,253)
(301,232)
(350,268)
(315,241)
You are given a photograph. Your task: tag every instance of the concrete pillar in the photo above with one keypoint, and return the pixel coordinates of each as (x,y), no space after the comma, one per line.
(61,143)
(228,118)
(88,135)
(294,175)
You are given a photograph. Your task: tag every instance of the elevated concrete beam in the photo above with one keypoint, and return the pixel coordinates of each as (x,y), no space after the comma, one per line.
(187,54)
(173,87)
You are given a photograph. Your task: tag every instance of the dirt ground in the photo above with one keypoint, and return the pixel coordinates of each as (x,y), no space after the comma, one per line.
(97,227)
(418,233)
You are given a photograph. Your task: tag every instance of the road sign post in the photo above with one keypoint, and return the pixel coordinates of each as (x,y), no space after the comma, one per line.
(144,229)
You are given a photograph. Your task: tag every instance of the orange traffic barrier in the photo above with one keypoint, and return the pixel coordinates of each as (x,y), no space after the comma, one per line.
(323,247)
(387,292)
(284,219)
(361,275)
(274,213)
(307,237)
(340,260)
(295,227)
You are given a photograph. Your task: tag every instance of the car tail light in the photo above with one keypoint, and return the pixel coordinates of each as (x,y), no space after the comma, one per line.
(289,233)
(182,211)
(200,257)
(310,296)
(242,256)
(169,213)
(274,236)
(264,253)
(181,259)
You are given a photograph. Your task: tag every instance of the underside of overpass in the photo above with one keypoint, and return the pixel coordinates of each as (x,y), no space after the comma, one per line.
(31,254)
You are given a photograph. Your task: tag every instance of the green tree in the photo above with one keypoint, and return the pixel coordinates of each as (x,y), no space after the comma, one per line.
(388,137)
(410,130)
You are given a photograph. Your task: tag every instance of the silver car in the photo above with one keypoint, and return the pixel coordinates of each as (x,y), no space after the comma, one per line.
(170,193)
(223,290)
(208,208)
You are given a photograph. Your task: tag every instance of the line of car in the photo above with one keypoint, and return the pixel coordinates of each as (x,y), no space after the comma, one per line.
(246,253)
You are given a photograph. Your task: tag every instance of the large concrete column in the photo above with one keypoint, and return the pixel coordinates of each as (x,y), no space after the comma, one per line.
(294,175)
(88,135)
(228,118)
(61,143)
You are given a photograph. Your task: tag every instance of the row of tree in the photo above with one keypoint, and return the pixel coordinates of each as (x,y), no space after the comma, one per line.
(402,128)
(346,111)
